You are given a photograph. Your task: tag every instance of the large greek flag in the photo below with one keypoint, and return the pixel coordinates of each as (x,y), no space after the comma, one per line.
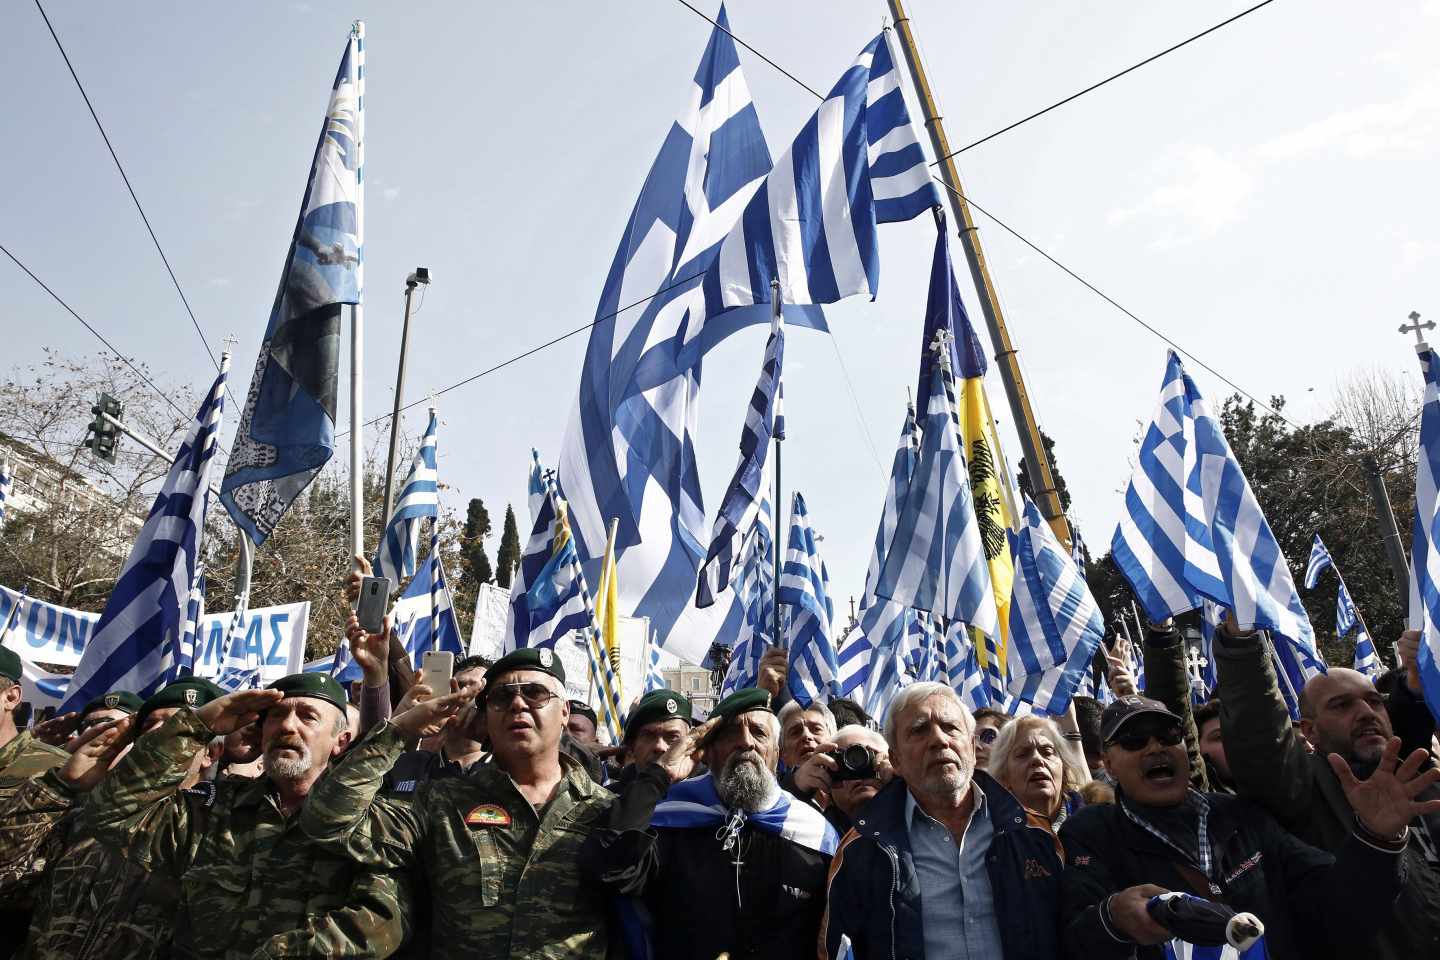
(183,661)
(936,561)
(763,420)
(133,643)
(1425,542)
(1055,624)
(1192,529)
(805,588)
(287,429)
(419,498)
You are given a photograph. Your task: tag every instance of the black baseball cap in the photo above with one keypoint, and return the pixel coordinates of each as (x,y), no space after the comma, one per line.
(1125,709)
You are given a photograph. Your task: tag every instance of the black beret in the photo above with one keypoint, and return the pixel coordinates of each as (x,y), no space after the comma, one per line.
(655,706)
(10,664)
(321,686)
(542,659)
(585,710)
(115,700)
(742,701)
(190,692)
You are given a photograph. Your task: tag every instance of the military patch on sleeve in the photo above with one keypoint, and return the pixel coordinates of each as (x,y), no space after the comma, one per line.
(204,791)
(488,815)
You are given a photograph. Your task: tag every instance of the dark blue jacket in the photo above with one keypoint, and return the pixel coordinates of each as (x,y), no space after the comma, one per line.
(874,893)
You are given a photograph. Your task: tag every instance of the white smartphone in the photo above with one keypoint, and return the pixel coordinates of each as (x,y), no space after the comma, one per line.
(436,668)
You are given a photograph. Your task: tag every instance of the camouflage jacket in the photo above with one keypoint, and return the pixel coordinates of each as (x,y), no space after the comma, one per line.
(21,760)
(505,875)
(249,883)
(25,758)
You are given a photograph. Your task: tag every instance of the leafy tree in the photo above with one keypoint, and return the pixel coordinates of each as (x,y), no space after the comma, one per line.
(473,559)
(508,558)
(1024,477)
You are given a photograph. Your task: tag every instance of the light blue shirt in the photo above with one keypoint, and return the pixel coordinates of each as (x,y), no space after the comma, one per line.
(957,907)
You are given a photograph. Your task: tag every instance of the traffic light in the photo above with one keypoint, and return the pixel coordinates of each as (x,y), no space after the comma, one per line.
(102,437)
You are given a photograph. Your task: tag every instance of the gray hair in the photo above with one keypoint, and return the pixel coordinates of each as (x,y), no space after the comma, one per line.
(1009,737)
(917,693)
(793,708)
(873,736)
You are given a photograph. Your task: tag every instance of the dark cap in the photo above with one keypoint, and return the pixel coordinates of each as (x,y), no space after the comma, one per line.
(321,686)
(585,710)
(655,706)
(10,664)
(1125,709)
(542,659)
(190,692)
(742,701)
(115,700)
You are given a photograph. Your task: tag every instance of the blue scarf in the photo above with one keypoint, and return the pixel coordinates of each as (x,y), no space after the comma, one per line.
(696,803)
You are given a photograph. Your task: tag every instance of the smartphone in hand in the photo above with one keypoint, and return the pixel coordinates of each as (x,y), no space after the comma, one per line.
(370,607)
(436,669)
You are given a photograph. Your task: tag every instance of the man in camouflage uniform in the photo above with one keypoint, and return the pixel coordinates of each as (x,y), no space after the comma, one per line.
(249,883)
(93,901)
(498,845)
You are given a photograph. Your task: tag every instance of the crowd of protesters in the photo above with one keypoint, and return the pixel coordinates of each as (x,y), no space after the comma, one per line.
(488,821)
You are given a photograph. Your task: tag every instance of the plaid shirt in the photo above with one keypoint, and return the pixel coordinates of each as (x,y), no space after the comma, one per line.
(1206,864)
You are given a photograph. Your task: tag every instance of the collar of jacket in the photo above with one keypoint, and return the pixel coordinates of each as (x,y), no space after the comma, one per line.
(574,777)
(883,818)
(1221,825)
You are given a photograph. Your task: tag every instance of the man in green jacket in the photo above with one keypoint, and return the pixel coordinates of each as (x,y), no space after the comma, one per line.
(497,846)
(1343,714)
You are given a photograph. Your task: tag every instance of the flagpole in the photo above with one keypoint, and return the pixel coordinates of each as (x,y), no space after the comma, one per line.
(357,326)
(1037,464)
(776,307)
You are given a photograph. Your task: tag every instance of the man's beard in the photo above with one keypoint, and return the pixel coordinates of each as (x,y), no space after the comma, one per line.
(949,782)
(288,768)
(744,782)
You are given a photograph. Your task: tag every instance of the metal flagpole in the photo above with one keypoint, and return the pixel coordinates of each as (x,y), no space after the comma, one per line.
(357,338)
(1037,464)
(421,275)
(775,587)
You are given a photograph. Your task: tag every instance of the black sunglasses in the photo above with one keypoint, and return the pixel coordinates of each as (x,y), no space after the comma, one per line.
(1139,739)
(535,695)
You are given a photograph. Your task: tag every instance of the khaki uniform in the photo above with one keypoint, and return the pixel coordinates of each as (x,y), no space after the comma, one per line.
(505,877)
(21,760)
(249,884)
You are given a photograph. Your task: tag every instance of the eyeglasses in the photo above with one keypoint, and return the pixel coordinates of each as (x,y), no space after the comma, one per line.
(535,695)
(986,735)
(1139,739)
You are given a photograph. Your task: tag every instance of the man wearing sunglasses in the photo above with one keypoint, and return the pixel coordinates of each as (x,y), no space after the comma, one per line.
(1161,836)
(498,846)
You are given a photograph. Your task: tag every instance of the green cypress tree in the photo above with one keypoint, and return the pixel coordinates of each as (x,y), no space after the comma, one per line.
(474,559)
(508,559)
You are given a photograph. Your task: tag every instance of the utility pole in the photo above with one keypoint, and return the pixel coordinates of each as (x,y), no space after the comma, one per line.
(1037,464)
(420,276)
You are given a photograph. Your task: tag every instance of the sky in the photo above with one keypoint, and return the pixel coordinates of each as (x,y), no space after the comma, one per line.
(1265,197)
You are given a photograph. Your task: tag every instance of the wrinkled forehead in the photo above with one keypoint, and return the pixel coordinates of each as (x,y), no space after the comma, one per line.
(936,709)
(303,707)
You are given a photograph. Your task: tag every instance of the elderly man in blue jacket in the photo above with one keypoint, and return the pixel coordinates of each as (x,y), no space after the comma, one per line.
(943,862)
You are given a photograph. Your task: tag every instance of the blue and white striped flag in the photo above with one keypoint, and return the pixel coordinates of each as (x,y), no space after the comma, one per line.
(1055,624)
(183,661)
(857,163)
(1367,661)
(7,483)
(963,671)
(546,599)
(424,616)
(132,645)
(535,487)
(1425,541)
(1319,560)
(936,561)
(805,588)
(419,498)
(654,678)
(1192,529)
(755,592)
(287,429)
(747,486)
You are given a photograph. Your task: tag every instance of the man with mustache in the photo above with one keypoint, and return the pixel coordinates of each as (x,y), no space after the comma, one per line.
(1341,714)
(249,879)
(727,864)
(1162,836)
(943,862)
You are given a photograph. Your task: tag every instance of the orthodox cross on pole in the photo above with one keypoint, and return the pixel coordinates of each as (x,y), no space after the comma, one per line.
(1417,328)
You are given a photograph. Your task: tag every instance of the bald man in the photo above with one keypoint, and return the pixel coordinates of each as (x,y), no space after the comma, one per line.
(1341,714)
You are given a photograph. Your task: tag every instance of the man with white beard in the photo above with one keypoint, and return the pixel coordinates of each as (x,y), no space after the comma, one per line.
(726,863)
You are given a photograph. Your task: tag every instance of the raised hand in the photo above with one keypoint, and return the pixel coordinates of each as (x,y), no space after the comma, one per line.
(352,582)
(774,668)
(235,710)
(57,729)
(1117,669)
(680,760)
(428,714)
(813,775)
(93,753)
(1408,649)
(1385,803)
(370,650)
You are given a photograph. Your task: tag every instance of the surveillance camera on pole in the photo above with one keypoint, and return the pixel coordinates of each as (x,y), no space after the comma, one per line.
(420,277)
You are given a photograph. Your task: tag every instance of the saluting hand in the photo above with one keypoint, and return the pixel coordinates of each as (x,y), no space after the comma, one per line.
(680,760)
(427,714)
(1385,802)
(235,710)
(57,729)
(94,751)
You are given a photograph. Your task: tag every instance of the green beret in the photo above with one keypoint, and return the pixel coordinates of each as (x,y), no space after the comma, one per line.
(115,700)
(10,664)
(190,692)
(655,706)
(321,686)
(542,659)
(585,710)
(742,701)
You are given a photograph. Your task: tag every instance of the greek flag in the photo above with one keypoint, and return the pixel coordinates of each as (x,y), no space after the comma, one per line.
(805,588)
(1055,624)
(629,452)
(7,482)
(857,163)
(1424,553)
(546,599)
(654,679)
(535,488)
(1347,617)
(1180,950)
(1192,529)
(696,803)
(183,661)
(132,645)
(1319,560)
(287,429)
(755,592)
(747,487)
(419,498)
(963,671)
(424,616)
(936,561)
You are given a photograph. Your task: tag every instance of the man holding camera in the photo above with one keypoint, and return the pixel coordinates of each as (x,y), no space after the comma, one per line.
(849,770)
(731,841)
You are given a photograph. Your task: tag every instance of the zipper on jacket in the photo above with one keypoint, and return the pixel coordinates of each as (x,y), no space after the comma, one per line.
(894,889)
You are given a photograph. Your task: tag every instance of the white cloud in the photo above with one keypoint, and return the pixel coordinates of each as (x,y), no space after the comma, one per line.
(390,193)
(1364,131)
(1211,191)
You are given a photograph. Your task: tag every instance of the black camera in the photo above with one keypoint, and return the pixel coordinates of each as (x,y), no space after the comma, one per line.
(855,762)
